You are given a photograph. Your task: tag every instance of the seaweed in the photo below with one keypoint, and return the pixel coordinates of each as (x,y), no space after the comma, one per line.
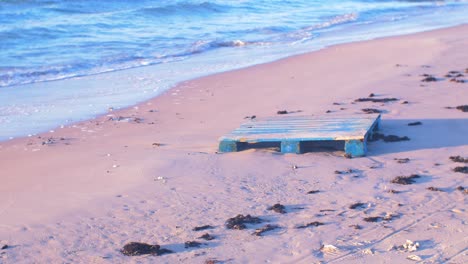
(406,180)
(239,222)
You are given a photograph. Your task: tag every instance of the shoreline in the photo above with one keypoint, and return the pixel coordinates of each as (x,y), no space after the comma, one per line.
(150,172)
(140,71)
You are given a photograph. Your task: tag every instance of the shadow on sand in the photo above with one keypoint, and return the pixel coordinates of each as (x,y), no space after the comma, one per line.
(432,134)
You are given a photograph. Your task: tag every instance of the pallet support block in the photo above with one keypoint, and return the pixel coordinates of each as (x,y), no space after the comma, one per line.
(356,148)
(291,147)
(228,146)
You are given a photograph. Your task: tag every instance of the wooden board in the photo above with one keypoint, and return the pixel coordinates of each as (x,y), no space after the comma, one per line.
(291,131)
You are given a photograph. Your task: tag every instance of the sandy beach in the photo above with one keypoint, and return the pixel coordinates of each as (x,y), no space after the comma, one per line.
(151,173)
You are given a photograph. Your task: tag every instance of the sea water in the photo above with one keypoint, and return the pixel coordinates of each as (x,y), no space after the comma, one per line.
(62,61)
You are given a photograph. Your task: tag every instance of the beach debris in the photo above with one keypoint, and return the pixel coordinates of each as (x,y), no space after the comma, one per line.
(463,108)
(376,100)
(462,169)
(371,95)
(156,144)
(212,261)
(368,251)
(207,236)
(328,111)
(408,246)
(250,117)
(356,226)
(414,258)
(138,249)
(282,112)
(458,159)
(315,223)
(388,138)
(415,123)
(4,246)
(203,227)
(266,228)
(406,180)
(128,119)
(239,222)
(371,111)
(313,191)
(455,80)
(373,219)
(453,74)
(390,216)
(191,244)
(434,189)
(462,189)
(345,171)
(357,206)
(348,155)
(278,208)
(328,249)
(404,160)
(393,191)
(49,141)
(429,78)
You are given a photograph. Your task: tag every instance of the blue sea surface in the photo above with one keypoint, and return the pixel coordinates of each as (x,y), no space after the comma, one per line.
(48,40)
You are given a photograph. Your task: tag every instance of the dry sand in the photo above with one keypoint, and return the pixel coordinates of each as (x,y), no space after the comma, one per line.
(79,194)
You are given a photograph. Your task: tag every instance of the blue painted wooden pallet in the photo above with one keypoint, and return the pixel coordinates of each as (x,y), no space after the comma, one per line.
(292,131)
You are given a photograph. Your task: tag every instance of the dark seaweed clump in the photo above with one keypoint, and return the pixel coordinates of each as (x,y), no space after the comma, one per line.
(357,205)
(239,222)
(190,244)
(282,112)
(376,100)
(204,227)
(463,108)
(371,111)
(429,78)
(278,208)
(434,189)
(207,236)
(405,160)
(315,223)
(373,219)
(138,249)
(388,138)
(406,180)
(459,159)
(462,169)
(266,228)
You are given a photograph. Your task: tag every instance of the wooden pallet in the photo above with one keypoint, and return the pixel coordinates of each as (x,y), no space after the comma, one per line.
(293,131)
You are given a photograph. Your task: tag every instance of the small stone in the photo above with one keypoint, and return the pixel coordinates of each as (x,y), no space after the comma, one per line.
(328,249)
(278,208)
(414,258)
(190,244)
(207,236)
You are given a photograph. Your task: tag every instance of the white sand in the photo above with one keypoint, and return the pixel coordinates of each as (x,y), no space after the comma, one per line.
(81,199)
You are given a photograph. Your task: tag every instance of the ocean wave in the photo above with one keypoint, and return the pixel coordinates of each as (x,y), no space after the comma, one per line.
(186,8)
